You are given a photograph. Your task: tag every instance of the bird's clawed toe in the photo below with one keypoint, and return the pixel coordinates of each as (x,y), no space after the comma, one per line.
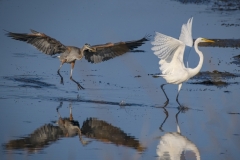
(80,87)
(61,81)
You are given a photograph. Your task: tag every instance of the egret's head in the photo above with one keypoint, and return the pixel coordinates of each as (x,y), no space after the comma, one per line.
(206,40)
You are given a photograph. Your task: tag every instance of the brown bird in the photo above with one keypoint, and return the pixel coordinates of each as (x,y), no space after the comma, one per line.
(69,54)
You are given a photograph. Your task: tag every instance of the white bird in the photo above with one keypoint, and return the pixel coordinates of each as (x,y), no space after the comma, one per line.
(172,56)
(173,145)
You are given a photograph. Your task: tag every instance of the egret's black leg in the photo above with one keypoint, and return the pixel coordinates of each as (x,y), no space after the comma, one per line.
(178,101)
(167,101)
(179,88)
(166,113)
(178,128)
(72,66)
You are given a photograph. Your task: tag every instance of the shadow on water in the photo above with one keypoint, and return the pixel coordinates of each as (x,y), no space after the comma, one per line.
(92,128)
(173,145)
(30,81)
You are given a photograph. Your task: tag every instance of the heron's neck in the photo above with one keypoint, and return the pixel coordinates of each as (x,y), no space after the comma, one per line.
(194,71)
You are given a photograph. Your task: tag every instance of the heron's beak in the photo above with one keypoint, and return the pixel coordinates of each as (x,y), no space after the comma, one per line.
(208,40)
(89,48)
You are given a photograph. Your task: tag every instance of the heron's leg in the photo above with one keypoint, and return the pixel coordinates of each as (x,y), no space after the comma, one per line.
(60,120)
(167,101)
(179,88)
(60,105)
(62,62)
(71,116)
(72,66)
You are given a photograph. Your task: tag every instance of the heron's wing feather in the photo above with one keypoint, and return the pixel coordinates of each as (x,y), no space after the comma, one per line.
(42,42)
(186,33)
(104,52)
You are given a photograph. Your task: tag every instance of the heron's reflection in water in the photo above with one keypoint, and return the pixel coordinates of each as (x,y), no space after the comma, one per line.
(174,146)
(92,128)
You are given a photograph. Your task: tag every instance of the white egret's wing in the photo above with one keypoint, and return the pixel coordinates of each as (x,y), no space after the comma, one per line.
(186,38)
(186,33)
(186,55)
(170,51)
(165,47)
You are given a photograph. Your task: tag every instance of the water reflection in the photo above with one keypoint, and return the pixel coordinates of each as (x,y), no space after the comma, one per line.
(68,127)
(173,145)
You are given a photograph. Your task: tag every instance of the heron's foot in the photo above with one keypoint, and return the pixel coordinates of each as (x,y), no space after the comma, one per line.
(183,109)
(160,128)
(61,81)
(79,85)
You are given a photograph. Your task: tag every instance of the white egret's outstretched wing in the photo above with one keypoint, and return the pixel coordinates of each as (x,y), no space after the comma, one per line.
(41,41)
(186,38)
(165,46)
(186,33)
(170,51)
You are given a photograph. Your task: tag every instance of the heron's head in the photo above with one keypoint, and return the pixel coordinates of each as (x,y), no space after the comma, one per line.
(87,46)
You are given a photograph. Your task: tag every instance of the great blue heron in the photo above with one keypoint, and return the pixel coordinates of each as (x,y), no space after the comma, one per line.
(69,54)
(172,56)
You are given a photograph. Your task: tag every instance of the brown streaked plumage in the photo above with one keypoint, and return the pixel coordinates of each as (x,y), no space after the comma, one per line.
(69,54)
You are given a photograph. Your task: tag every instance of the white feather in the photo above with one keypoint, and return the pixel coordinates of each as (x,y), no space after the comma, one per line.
(186,33)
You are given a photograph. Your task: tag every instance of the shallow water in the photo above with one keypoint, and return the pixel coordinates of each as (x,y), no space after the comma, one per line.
(119,113)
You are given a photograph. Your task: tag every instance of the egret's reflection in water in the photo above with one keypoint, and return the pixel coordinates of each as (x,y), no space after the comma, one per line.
(173,145)
(67,127)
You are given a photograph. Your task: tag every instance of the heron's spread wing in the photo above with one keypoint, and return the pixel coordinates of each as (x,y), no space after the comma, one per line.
(170,51)
(108,51)
(41,41)
(186,33)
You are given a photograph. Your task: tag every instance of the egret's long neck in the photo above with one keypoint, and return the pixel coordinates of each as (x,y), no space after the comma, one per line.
(195,70)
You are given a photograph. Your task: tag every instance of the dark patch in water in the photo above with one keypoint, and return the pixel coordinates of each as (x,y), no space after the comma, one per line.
(212,83)
(233,113)
(30,81)
(215,75)
(215,78)
(24,55)
(234,43)
(194,1)
(29,86)
(63,99)
(216,5)
(94,101)
(236,60)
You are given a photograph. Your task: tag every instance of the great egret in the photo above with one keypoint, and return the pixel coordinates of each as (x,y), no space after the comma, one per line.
(171,54)
(173,145)
(69,54)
